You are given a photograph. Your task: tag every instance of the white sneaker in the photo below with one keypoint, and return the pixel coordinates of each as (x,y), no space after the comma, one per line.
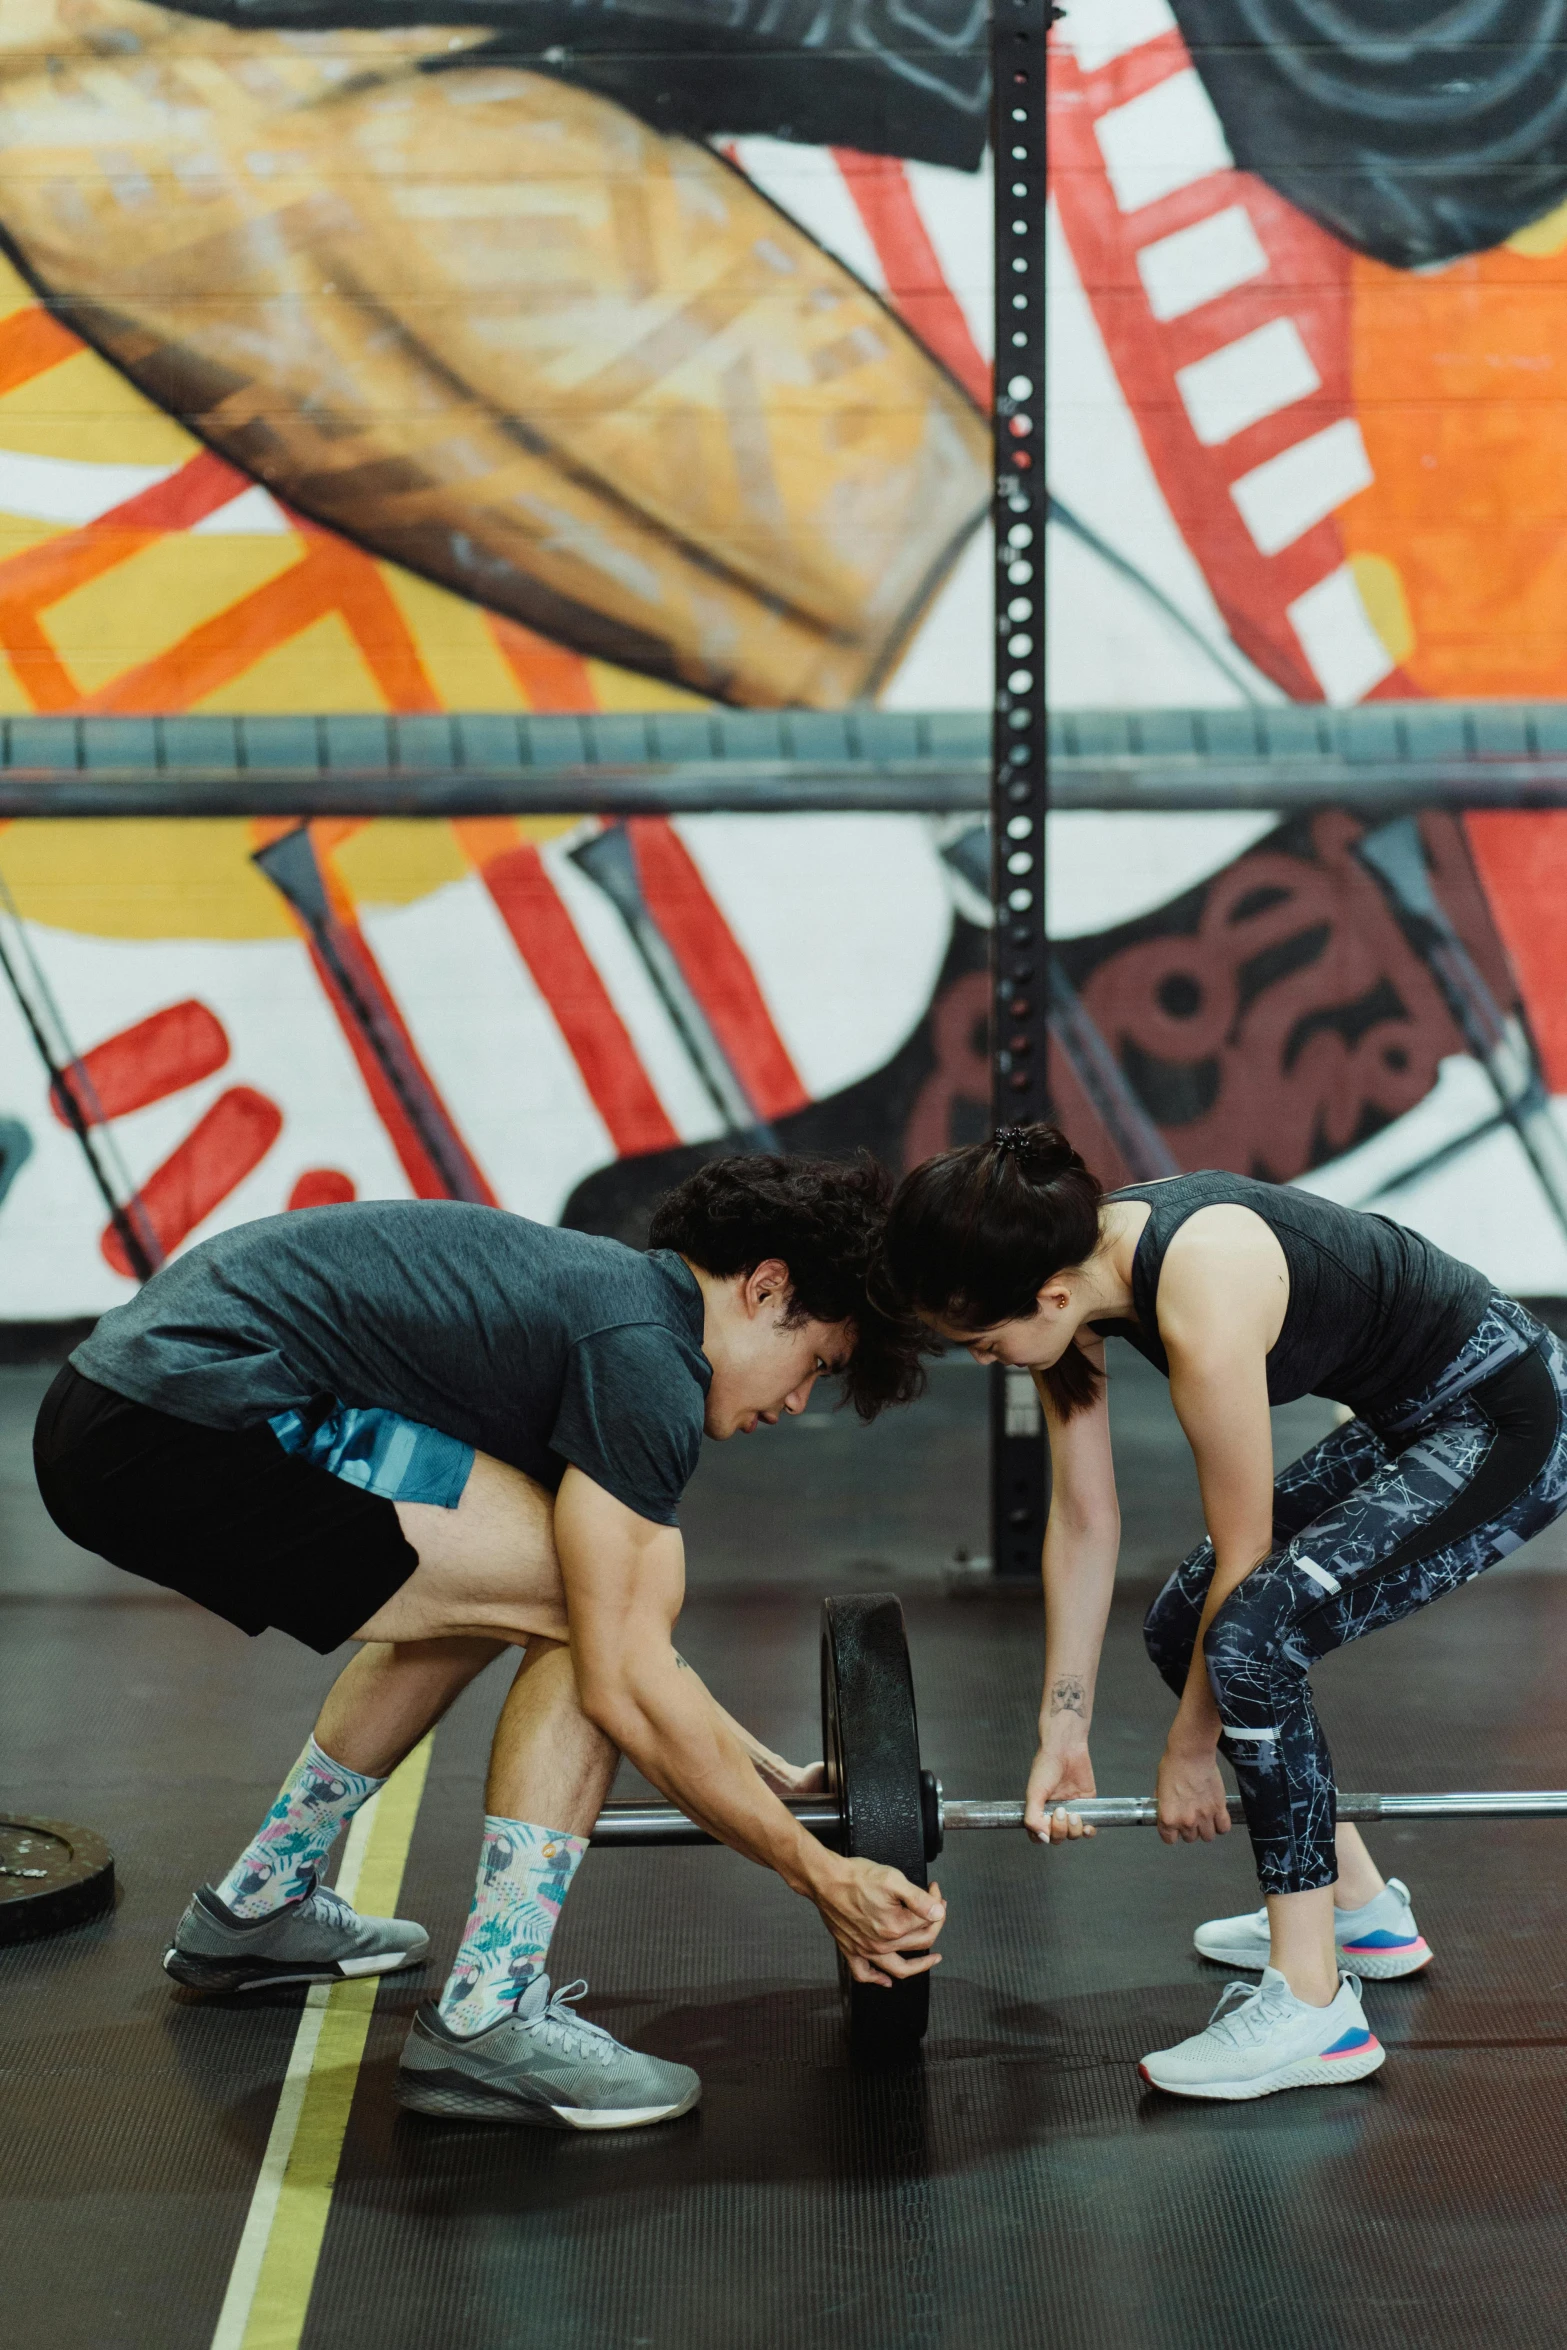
(1261,2038)
(1378,1941)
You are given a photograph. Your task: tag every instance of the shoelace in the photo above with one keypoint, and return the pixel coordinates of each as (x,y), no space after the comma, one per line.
(572,2034)
(1242,2015)
(329,1906)
(1245,2010)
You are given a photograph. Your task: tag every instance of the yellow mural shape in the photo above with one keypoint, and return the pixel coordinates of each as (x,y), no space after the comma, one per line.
(132,877)
(193,877)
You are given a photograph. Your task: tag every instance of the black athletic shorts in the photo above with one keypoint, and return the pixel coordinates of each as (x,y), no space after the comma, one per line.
(226,1517)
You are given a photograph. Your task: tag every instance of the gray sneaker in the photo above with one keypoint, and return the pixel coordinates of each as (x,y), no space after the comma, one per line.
(316,1939)
(545,2065)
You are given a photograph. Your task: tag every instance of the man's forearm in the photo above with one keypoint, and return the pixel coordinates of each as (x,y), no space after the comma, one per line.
(762,1757)
(665,1721)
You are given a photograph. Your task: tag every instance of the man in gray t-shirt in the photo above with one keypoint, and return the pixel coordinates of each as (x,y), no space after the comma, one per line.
(543,1348)
(441,1430)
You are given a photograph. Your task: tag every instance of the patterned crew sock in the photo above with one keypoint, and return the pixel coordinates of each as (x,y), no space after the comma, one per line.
(317,1799)
(524,1877)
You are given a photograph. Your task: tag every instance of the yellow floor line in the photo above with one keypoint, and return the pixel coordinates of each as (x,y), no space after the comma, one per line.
(275,2267)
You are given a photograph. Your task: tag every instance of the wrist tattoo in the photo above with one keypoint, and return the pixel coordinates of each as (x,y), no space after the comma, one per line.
(1068,1696)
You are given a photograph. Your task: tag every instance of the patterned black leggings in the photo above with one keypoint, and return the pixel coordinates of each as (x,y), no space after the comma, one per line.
(1368,1526)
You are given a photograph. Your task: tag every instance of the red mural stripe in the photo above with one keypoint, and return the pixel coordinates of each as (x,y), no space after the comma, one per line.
(568,979)
(715,967)
(424,1176)
(1306,284)
(213,1160)
(1521,857)
(917,286)
(323,1187)
(202,486)
(159,1056)
(31,342)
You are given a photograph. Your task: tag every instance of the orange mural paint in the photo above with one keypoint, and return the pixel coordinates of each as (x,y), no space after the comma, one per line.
(213,1160)
(552,676)
(1460,386)
(31,342)
(1522,860)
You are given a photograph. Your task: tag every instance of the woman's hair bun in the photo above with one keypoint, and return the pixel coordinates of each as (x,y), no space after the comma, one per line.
(1042,1152)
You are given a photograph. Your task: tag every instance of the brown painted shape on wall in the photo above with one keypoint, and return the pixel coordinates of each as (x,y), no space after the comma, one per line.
(497,329)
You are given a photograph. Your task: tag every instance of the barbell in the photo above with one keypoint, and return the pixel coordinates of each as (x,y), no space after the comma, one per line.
(881,1803)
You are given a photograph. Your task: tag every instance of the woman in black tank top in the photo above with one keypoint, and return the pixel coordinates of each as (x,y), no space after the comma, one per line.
(1246,1294)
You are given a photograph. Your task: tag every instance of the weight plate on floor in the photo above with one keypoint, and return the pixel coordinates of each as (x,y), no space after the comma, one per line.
(870,1739)
(52,1875)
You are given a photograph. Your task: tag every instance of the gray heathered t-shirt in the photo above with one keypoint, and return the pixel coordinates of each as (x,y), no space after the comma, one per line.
(538,1346)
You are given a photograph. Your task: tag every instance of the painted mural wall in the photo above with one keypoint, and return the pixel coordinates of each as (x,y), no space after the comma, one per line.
(1308,443)
(634,354)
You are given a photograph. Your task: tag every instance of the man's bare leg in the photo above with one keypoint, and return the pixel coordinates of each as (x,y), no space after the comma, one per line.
(486,1578)
(391,1693)
(499,2047)
(548,1762)
(550,1770)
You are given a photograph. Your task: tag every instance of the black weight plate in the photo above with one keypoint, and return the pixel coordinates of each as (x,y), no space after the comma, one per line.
(52,1875)
(870,1739)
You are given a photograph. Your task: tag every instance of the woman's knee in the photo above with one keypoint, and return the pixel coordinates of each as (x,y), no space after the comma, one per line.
(1243,1644)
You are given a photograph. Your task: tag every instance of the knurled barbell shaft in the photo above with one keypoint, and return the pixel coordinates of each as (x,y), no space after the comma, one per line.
(661,1823)
(1142,1811)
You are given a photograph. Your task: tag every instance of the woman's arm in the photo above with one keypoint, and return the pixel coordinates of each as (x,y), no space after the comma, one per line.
(1221,1305)
(1082,1540)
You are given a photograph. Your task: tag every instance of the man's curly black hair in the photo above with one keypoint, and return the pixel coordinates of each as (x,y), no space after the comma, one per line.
(824,1218)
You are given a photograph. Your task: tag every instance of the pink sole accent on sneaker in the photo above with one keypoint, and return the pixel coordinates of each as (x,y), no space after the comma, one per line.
(1361,2048)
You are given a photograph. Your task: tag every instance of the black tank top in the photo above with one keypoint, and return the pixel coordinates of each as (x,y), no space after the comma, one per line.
(1375,1311)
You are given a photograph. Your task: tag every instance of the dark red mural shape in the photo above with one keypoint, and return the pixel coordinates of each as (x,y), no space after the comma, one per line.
(1278,1016)
(962,1070)
(219,1152)
(158,1056)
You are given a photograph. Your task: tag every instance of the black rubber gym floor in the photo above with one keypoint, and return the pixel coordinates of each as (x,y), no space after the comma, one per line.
(1022,2189)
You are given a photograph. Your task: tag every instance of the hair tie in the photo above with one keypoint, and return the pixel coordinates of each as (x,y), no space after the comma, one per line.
(1011,1138)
